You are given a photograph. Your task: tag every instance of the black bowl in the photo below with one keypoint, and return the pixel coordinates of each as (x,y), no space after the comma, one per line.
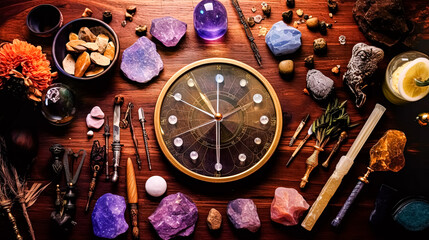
(44,20)
(59,51)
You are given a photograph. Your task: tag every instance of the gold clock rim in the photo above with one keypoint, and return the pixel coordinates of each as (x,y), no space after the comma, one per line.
(267,155)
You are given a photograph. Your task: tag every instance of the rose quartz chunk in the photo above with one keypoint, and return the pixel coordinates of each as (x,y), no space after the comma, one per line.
(287,206)
(96,112)
(94,123)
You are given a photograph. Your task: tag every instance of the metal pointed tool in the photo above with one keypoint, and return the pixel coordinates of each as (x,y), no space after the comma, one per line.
(96,163)
(133,136)
(106,135)
(142,120)
(116,145)
(298,129)
(301,144)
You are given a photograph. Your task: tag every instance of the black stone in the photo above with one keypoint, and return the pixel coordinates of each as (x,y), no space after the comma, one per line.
(306,16)
(290,3)
(322,27)
(309,61)
(107,16)
(287,16)
(332,6)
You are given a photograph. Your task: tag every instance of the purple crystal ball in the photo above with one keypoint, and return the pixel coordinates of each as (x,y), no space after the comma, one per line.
(210,19)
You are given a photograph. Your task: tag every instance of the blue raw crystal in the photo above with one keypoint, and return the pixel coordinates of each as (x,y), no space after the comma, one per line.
(175,216)
(243,214)
(141,62)
(283,39)
(108,216)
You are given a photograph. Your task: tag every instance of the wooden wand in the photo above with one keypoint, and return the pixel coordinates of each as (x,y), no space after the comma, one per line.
(133,198)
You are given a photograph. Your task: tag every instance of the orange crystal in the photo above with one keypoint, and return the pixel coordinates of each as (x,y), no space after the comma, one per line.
(388,153)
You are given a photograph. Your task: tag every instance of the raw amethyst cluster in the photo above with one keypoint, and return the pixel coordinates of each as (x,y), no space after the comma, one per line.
(176,215)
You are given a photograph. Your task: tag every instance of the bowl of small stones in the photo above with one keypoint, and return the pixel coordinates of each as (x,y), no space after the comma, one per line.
(85,48)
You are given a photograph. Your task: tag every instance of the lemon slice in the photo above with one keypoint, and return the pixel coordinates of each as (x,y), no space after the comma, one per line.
(416,69)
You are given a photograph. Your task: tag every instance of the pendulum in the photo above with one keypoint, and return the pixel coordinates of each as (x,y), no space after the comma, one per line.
(210,19)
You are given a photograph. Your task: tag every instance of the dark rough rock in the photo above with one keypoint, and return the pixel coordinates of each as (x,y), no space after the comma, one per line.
(381,21)
(362,65)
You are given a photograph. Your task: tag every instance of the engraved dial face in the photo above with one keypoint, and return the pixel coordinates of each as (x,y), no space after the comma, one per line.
(218,120)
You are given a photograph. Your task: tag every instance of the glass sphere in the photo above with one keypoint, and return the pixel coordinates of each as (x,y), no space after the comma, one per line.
(210,19)
(58,104)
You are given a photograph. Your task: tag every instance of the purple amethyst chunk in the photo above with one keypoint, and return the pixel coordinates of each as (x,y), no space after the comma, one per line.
(176,215)
(243,214)
(108,216)
(141,62)
(168,30)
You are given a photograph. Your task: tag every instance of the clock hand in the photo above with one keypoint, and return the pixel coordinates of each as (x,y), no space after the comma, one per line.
(237,109)
(203,96)
(199,109)
(218,165)
(195,128)
(217,95)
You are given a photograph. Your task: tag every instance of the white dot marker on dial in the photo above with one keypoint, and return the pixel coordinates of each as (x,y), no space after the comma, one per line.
(218,167)
(242,157)
(191,82)
(178,142)
(172,119)
(193,155)
(243,82)
(257,98)
(257,141)
(178,96)
(219,78)
(264,119)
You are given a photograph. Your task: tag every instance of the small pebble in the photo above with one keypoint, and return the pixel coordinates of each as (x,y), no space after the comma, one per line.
(287,16)
(132,10)
(286,67)
(87,13)
(128,17)
(253,9)
(251,21)
(214,219)
(90,134)
(331,15)
(306,17)
(342,39)
(313,23)
(266,9)
(336,70)
(96,112)
(295,24)
(329,25)
(141,30)
(124,23)
(332,6)
(310,16)
(322,27)
(258,18)
(107,16)
(320,46)
(263,31)
(156,186)
(290,3)
(299,12)
(309,61)
(302,21)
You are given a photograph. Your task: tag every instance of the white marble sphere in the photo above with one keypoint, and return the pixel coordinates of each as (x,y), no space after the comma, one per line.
(156,186)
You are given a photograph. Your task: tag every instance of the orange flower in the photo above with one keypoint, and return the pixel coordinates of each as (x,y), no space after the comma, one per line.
(28,60)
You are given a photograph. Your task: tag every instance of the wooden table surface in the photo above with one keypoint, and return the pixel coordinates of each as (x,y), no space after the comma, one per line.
(412,180)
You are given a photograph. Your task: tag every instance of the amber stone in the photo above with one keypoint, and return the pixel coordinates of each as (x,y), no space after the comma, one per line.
(388,153)
(82,64)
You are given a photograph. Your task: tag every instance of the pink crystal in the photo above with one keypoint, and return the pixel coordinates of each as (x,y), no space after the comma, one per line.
(243,214)
(96,112)
(94,123)
(168,30)
(287,206)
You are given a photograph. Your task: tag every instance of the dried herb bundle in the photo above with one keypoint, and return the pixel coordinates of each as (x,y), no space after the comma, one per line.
(328,126)
(12,183)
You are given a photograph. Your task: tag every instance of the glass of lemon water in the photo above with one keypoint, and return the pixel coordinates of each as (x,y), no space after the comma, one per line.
(407,78)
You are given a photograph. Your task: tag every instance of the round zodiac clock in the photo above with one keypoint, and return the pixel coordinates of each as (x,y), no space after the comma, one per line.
(218,120)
